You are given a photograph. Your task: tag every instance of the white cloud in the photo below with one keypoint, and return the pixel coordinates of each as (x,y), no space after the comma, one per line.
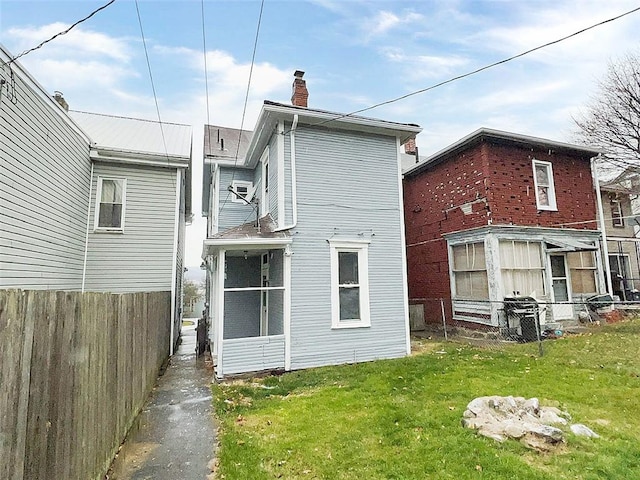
(77,41)
(384,21)
(416,67)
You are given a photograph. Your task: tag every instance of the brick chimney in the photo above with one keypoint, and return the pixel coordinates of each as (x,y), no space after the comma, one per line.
(410,146)
(300,94)
(58,97)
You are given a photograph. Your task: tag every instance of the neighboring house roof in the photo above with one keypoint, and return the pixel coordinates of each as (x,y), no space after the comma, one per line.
(139,142)
(498,136)
(223,143)
(626,181)
(133,136)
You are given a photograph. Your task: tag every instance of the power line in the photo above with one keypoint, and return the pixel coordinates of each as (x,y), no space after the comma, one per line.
(60,33)
(476,71)
(246,99)
(153,88)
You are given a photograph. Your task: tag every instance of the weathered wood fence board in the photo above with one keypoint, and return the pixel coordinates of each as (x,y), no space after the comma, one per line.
(75,369)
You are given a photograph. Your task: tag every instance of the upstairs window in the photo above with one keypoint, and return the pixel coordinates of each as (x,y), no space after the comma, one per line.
(242,190)
(110,204)
(543,183)
(617,219)
(349,284)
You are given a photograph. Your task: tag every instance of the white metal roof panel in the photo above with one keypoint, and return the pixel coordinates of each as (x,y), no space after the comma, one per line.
(135,135)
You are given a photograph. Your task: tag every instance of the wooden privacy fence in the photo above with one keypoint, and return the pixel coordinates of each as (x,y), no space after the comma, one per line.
(75,369)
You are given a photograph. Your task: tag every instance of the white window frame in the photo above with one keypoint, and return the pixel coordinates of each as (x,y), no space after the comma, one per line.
(264,203)
(617,218)
(551,189)
(361,247)
(240,198)
(96,219)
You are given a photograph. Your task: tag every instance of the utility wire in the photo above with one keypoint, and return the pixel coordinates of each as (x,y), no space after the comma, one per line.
(60,33)
(246,100)
(153,88)
(474,72)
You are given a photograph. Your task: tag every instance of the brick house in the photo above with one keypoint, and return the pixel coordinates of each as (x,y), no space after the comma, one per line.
(497,215)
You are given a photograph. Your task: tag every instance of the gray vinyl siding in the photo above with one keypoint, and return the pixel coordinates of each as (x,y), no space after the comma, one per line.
(288,204)
(140,259)
(273,178)
(252,354)
(44,188)
(347,185)
(231,214)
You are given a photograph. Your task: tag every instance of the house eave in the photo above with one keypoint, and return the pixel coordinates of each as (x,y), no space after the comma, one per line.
(502,137)
(522,231)
(213,245)
(272,112)
(138,158)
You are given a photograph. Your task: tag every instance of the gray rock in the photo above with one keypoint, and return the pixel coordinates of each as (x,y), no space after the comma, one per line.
(548,416)
(583,431)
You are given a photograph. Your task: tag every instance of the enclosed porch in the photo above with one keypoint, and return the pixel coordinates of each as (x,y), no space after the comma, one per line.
(249,298)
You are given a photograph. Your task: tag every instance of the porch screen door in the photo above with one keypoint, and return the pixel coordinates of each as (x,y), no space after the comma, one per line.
(560,286)
(264,296)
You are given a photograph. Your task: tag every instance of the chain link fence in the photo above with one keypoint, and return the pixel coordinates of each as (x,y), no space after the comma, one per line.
(496,324)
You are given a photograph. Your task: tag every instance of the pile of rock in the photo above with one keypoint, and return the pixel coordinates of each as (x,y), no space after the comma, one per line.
(521,419)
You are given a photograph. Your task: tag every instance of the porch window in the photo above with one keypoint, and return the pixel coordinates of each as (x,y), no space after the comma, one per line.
(522,268)
(617,219)
(470,271)
(110,204)
(620,272)
(349,284)
(582,268)
(544,187)
(242,190)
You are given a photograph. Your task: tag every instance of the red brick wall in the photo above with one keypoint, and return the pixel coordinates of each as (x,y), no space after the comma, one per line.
(497,182)
(512,194)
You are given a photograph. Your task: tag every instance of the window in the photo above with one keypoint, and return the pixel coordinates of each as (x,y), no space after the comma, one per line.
(349,284)
(617,219)
(470,271)
(543,182)
(582,268)
(522,268)
(242,189)
(620,273)
(110,204)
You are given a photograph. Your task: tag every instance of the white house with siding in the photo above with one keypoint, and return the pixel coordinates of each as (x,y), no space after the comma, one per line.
(89,202)
(305,249)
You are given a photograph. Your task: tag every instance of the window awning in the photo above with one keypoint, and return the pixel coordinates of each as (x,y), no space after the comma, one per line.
(568,245)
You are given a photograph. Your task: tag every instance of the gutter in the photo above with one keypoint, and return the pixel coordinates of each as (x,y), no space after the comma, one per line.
(294,191)
(605,248)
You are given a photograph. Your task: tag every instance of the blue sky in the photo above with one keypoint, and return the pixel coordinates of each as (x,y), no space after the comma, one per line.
(355,54)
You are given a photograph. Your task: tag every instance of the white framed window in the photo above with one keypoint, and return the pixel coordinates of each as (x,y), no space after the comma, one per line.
(582,269)
(110,204)
(470,271)
(544,186)
(522,268)
(350,283)
(242,189)
(617,219)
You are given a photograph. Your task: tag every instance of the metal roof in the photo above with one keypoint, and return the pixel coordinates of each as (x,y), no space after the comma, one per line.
(123,134)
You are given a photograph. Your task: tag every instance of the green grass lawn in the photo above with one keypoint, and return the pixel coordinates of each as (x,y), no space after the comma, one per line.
(400,419)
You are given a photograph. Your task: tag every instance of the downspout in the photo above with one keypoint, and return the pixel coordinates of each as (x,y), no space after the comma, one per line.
(174,266)
(294,194)
(605,248)
(86,235)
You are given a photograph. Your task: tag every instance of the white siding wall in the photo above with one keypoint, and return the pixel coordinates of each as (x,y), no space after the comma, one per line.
(347,185)
(140,259)
(232,214)
(44,188)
